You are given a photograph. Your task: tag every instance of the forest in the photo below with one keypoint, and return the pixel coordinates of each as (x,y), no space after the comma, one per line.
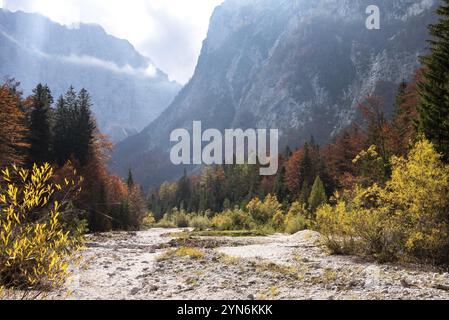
(378,189)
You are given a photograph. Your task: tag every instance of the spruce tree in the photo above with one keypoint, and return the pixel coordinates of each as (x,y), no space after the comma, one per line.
(130,180)
(40,121)
(318,195)
(61,149)
(84,127)
(434,89)
(400,98)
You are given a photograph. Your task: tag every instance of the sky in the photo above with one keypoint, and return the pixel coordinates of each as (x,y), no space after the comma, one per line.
(169,32)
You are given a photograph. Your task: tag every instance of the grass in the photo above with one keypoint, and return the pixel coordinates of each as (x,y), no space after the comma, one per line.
(216,233)
(238,233)
(192,253)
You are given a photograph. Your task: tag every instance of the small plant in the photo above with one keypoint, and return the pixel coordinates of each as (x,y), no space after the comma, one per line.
(193,253)
(35,246)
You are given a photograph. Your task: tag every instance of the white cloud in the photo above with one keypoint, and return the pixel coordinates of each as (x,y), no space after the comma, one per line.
(92,61)
(170,32)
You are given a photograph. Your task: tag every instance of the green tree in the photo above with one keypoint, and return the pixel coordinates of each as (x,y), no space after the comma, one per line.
(434,89)
(130,180)
(400,97)
(84,127)
(40,122)
(318,195)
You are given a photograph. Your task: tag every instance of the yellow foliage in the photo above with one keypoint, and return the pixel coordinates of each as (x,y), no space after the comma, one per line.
(268,211)
(193,253)
(34,246)
(409,217)
(296,219)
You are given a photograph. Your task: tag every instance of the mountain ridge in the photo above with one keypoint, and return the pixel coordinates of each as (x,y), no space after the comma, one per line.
(36,49)
(299,66)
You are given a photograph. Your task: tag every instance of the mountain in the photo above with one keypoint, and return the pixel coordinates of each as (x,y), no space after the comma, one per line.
(297,65)
(127,90)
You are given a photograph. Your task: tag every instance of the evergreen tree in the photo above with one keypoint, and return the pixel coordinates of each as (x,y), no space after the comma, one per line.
(434,89)
(130,180)
(183,191)
(61,149)
(40,118)
(400,97)
(280,189)
(318,195)
(84,127)
(306,169)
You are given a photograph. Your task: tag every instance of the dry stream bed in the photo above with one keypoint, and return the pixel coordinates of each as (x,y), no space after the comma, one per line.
(157,264)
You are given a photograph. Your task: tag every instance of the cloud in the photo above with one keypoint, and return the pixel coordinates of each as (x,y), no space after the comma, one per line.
(149,72)
(170,32)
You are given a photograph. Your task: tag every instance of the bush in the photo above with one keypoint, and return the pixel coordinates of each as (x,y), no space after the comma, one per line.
(166,222)
(267,212)
(149,221)
(35,248)
(180,218)
(296,219)
(174,219)
(200,222)
(408,218)
(232,220)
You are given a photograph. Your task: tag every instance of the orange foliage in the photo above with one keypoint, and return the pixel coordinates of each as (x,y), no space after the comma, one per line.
(12,128)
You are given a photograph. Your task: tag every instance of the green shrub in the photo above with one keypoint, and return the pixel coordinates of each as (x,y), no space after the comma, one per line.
(200,222)
(180,218)
(296,219)
(232,220)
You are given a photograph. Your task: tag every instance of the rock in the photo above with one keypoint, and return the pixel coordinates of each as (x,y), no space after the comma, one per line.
(134,291)
(442,287)
(154,288)
(251,297)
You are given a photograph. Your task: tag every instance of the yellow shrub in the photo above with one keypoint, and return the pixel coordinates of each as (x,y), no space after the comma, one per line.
(268,211)
(193,253)
(296,219)
(34,246)
(409,217)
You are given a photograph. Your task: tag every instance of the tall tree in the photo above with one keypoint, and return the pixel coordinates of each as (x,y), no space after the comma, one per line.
(434,89)
(13,131)
(61,147)
(130,180)
(40,131)
(318,195)
(84,127)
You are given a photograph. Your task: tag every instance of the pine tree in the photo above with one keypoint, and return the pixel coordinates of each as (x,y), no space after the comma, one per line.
(280,189)
(40,118)
(434,89)
(318,195)
(306,168)
(61,148)
(84,127)
(130,180)
(400,98)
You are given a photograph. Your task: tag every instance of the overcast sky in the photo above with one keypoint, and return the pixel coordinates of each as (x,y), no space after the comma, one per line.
(170,32)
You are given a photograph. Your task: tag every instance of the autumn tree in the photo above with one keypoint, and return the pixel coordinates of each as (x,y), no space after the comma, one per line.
(13,131)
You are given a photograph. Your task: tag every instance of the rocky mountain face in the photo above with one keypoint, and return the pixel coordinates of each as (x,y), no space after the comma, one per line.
(299,66)
(127,90)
